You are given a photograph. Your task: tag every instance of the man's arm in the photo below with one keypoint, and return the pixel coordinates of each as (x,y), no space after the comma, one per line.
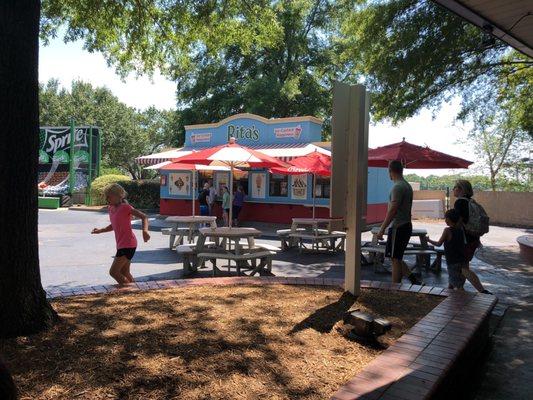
(391,213)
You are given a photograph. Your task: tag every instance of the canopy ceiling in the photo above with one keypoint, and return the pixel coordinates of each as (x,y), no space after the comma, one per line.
(509,20)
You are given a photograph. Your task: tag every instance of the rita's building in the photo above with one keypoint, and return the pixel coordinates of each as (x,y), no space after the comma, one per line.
(269,197)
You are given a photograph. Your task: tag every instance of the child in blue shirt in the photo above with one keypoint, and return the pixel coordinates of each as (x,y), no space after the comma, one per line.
(454,241)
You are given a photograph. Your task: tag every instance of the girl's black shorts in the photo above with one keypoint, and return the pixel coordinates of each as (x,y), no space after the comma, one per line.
(128,253)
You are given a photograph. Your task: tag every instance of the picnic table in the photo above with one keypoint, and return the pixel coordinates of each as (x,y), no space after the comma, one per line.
(188,229)
(422,251)
(319,231)
(420,233)
(231,244)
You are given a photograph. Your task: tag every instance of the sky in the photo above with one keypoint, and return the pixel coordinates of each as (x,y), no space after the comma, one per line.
(67,62)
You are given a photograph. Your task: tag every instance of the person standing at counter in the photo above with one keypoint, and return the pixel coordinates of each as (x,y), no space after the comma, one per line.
(202,200)
(211,198)
(226,202)
(238,202)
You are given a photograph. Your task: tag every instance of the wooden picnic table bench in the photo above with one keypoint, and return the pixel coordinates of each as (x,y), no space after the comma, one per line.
(236,245)
(189,254)
(380,249)
(321,241)
(246,261)
(190,230)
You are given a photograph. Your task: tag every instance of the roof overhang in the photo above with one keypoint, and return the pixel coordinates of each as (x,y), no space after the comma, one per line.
(510,21)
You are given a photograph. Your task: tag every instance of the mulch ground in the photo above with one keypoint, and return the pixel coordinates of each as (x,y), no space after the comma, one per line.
(222,342)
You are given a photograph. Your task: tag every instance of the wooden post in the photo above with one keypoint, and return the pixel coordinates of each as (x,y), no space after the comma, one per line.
(349,172)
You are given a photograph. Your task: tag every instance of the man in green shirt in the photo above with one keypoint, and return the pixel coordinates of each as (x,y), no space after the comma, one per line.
(398,222)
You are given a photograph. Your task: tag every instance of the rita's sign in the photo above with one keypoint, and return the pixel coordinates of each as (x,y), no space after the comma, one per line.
(253,130)
(243,132)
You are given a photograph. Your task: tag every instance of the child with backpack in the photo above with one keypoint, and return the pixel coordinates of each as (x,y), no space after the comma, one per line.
(475,223)
(453,238)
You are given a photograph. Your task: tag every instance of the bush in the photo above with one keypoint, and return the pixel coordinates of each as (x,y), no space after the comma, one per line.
(105,170)
(99,184)
(143,194)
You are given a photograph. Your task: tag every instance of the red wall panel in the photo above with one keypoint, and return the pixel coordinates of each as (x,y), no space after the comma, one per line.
(268,212)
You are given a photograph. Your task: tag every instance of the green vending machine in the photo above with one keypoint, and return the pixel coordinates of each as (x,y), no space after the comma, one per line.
(69,160)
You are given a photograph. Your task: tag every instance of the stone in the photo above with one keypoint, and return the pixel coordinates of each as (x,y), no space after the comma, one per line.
(364,325)
(380,326)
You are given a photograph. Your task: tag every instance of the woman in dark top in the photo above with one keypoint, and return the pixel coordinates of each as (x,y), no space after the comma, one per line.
(463,192)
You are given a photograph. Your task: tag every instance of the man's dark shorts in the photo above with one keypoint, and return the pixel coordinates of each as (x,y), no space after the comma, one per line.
(397,241)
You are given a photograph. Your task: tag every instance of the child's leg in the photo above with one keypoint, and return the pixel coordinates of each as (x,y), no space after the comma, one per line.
(116,270)
(126,271)
(472,278)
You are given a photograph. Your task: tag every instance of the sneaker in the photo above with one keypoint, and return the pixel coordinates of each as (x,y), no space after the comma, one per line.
(486,292)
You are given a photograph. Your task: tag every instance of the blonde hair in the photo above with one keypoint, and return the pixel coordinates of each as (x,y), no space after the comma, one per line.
(466,187)
(115,189)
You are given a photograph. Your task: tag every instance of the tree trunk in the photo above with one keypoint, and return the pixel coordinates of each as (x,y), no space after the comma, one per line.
(23,306)
(493,180)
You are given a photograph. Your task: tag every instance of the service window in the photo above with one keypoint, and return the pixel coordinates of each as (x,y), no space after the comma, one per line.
(241,179)
(322,188)
(279,185)
(203,178)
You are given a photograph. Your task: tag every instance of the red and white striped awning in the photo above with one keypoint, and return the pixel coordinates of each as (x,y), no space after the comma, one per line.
(158,158)
(284,152)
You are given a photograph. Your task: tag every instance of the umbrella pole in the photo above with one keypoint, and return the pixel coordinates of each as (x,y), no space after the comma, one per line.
(193,192)
(230,196)
(313,189)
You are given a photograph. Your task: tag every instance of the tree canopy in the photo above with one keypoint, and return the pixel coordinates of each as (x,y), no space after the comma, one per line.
(413,54)
(478,181)
(279,58)
(127,132)
(287,77)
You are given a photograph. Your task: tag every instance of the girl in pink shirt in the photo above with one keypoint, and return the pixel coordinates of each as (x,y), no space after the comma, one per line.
(120,213)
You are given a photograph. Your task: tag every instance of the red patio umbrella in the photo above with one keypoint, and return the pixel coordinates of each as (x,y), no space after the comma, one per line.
(314,163)
(233,156)
(413,156)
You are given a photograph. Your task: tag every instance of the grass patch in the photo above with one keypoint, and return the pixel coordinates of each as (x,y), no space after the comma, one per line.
(222,342)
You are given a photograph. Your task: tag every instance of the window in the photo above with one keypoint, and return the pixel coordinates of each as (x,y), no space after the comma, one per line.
(279,185)
(203,177)
(322,188)
(240,178)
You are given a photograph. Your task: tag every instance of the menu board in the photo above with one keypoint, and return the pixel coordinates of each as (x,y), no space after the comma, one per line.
(179,183)
(299,187)
(258,186)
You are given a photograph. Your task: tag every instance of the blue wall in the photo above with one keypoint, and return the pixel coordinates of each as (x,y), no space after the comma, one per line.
(253,131)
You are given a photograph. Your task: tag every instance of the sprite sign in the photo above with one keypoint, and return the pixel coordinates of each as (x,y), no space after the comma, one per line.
(55,145)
